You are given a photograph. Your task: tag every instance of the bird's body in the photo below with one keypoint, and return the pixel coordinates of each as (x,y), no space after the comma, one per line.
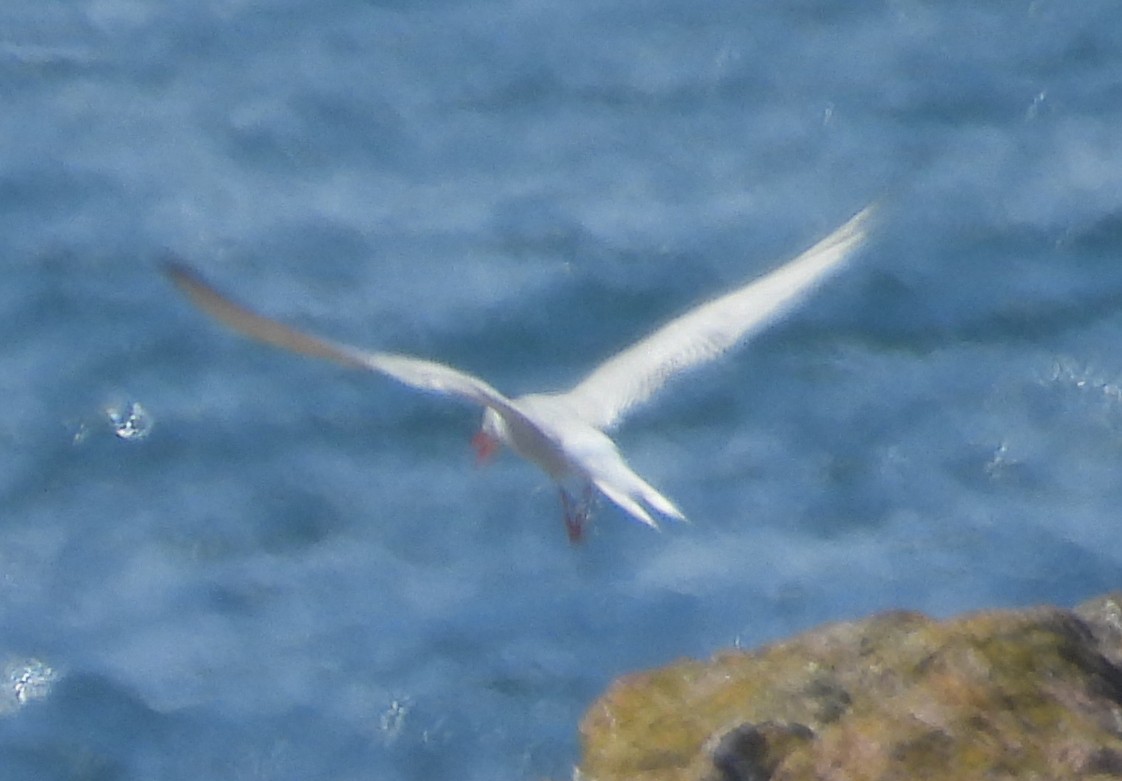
(566,447)
(565,433)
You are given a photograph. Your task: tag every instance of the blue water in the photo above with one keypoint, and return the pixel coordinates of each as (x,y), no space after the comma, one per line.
(222,561)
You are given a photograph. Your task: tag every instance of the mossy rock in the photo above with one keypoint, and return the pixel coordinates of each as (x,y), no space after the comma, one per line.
(1032,694)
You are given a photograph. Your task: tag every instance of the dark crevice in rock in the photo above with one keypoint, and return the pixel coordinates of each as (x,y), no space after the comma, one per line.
(752,752)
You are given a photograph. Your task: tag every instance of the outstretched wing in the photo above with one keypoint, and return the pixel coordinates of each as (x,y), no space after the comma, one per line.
(630,377)
(427,375)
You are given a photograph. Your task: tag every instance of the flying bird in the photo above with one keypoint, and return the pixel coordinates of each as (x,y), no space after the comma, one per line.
(565,433)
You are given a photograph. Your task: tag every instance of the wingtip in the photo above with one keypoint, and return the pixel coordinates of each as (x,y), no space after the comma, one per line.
(180,274)
(186,280)
(195,287)
(864,219)
(852,233)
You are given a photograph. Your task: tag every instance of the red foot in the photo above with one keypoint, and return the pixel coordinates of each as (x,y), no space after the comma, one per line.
(576,513)
(575,529)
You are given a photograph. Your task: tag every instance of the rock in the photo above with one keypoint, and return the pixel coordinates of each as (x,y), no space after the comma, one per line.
(1023,694)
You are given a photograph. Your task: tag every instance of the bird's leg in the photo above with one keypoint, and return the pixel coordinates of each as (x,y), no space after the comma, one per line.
(587,497)
(576,513)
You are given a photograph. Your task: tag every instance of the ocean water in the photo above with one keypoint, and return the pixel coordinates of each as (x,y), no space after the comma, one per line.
(222,561)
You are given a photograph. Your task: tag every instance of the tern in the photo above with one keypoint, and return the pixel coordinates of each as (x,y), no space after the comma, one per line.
(566,433)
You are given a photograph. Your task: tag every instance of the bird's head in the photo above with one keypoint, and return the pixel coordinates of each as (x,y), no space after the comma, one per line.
(491,434)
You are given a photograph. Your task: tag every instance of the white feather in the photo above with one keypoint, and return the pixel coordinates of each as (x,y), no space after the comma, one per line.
(703,334)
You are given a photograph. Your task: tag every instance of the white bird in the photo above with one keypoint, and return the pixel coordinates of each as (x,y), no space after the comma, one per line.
(564,433)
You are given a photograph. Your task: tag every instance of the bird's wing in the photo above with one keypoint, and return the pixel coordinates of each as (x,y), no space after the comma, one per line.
(630,377)
(427,375)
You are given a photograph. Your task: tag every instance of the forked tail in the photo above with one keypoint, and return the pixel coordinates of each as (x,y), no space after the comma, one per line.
(634,492)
